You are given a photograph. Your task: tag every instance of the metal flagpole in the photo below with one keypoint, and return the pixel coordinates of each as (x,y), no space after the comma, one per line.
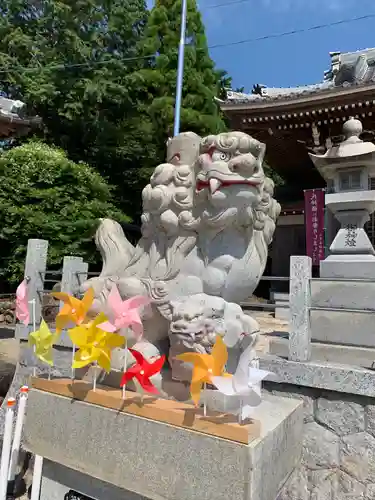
(180,70)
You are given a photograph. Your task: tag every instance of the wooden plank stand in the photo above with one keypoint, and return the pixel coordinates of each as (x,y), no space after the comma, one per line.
(222,425)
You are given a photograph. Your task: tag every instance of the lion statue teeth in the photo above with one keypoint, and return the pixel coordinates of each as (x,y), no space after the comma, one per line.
(208,218)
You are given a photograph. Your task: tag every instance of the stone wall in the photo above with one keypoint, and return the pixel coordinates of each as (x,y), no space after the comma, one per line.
(338,460)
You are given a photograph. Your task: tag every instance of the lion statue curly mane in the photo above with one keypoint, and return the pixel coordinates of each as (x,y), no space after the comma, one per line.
(208,218)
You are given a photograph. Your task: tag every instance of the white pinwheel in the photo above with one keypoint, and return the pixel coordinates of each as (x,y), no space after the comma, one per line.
(245,385)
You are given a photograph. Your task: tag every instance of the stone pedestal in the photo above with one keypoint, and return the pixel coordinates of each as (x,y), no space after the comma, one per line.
(352,258)
(352,254)
(352,238)
(343,325)
(347,169)
(331,321)
(106,455)
(350,267)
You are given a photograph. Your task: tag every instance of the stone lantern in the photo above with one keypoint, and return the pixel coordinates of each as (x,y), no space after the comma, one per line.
(347,169)
(14,120)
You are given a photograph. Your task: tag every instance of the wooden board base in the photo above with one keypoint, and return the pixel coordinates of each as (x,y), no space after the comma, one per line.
(162,410)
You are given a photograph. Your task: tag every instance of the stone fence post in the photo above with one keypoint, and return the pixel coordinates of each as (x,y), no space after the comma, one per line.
(35,270)
(74,273)
(299,299)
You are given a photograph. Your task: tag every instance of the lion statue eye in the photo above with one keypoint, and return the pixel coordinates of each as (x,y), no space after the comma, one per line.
(220,156)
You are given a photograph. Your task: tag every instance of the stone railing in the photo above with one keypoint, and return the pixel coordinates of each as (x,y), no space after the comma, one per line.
(42,281)
(74,272)
(323,312)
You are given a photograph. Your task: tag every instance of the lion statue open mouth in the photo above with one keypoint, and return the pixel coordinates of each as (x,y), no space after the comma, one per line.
(208,218)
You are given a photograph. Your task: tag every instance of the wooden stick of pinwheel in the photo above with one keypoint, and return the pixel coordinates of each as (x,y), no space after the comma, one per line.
(206,366)
(125,314)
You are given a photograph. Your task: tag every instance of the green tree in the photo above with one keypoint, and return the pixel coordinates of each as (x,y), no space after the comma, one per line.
(45,195)
(277,179)
(78,56)
(156,83)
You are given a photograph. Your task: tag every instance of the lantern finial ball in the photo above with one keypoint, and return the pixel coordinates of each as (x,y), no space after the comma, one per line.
(352,128)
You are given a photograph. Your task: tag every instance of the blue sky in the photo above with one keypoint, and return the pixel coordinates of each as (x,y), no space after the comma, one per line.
(293,60)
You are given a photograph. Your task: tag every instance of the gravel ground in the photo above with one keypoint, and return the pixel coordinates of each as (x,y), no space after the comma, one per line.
(268,325)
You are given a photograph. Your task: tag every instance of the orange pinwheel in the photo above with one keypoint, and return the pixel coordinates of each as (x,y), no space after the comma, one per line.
(74,310)
(206,366)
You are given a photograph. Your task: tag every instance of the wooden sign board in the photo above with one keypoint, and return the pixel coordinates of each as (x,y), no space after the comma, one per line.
(222,425)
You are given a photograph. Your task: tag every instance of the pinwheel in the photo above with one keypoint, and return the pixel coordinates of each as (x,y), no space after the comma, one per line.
(22,305)
(94,344)
(142,370)
(205,366)
(73,310)
(42,340)
(245,385)
(125,313)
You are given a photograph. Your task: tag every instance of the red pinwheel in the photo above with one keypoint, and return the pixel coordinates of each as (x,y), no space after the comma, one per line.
(142,371)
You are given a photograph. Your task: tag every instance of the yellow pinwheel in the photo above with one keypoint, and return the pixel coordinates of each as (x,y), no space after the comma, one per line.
(206,366)
(42,340)
(94,344)
(74,310)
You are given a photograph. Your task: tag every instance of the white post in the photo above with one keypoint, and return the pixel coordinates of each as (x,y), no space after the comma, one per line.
(73,275)
(24,392)
(35,270)
(37,477)
(7,444)
(180,69)
(299,303)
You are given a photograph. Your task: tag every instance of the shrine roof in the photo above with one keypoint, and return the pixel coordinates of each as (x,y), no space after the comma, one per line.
(348,70)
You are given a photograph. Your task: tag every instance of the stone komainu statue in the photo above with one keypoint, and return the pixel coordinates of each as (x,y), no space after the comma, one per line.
(208,218)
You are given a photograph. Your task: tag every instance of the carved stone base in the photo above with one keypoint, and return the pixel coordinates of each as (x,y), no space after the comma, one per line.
(105,454)
(348,266)
(219,424)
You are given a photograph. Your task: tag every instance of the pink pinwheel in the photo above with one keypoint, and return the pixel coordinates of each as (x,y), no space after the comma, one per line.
(125,313)
(22,306)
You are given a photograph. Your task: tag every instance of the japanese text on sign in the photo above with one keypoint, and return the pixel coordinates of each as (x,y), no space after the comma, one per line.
(351,235)
(314,224)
